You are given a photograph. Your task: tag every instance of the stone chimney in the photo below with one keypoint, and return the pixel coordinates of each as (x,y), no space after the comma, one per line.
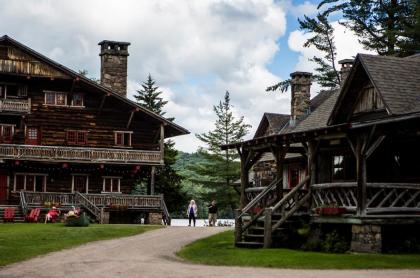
(114,65)
(301,95)
(346,66)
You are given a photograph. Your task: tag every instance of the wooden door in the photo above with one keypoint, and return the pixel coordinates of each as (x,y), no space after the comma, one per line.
(80,183)
(3,188)
(33,136)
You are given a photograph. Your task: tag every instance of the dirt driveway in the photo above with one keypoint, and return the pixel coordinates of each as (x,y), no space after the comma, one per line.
(152,255)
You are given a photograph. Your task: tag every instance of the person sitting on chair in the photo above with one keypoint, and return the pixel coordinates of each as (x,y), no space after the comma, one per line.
(52,215)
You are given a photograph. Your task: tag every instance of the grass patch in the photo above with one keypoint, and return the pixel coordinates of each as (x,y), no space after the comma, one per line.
(219,250)
(23,241)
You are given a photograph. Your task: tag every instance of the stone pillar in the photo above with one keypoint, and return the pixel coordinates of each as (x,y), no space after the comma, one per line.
(366,238)
(114,57)
(155,218)
(301,95)
(104,217)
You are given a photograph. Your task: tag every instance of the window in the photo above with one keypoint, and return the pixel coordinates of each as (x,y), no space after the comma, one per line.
(33,136)
(30,182)
(111,184)
(6,133)
(55,98)
(293,176)
(13,91)
(77,100)
(338,168)
(76,137)
(123,138)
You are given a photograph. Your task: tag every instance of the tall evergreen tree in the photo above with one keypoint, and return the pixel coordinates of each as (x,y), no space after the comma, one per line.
(221,168)
(167,181)
(327,75)
(389,27)
(149,97)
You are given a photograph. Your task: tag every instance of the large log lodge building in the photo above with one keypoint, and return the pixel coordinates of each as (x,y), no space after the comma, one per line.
(345,160)
(67,139)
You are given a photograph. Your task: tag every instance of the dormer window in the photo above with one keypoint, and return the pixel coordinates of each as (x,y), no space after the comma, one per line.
(369,100)
(55,98)
(123,138)
(77,100)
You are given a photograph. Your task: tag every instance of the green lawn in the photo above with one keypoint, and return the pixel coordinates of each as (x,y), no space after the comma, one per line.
(22,241)
(219,250)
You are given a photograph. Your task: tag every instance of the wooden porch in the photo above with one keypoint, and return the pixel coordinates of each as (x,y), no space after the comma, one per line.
(96,204)
(15,105)
(79,154)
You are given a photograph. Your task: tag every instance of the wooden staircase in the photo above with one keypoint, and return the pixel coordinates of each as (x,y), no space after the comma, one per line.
(274,219)
(19,216)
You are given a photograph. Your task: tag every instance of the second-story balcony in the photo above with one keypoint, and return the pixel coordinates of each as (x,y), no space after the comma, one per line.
(15,105)
(79,155)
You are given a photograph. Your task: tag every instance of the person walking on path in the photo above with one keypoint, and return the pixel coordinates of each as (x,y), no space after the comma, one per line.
(212,213)
(192,212)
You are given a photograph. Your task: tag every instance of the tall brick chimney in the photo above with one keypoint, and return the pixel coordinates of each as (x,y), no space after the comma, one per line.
(114,65)
(346,65)
(301,95)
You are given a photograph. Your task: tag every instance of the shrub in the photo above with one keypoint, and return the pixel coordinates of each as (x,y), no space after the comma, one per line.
(334,243)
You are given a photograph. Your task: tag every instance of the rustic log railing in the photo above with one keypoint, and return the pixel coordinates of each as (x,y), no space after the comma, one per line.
(66,154)
(382,198)
(93,202)
(256,202)
(81,200)
(23,203)
(15,105)
(166,215)
(287,206)
(130,201)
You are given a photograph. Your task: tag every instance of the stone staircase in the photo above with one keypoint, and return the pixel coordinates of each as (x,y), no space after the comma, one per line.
(19,217)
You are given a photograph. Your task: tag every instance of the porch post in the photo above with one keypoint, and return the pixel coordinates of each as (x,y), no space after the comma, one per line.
(361,176)
(312,155)
(152,180)
(279,153)
(244,176)
(161,142)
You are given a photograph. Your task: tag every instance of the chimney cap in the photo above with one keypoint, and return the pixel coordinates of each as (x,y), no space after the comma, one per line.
(113,43)
(300,73)
(346,61)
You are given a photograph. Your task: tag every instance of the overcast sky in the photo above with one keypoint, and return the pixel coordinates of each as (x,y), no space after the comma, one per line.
(195,50)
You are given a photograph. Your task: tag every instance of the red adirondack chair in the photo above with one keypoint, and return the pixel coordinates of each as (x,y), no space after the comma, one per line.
(33,215)
(9,215)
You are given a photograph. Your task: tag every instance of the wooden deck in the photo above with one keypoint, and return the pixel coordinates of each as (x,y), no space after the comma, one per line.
(79,154)
(96,203)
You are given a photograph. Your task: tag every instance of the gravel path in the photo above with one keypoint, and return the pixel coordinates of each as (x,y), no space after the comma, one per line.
(152,255)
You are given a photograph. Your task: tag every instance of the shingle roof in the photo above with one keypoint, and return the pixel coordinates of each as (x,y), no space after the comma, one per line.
(396,79)
(277,121)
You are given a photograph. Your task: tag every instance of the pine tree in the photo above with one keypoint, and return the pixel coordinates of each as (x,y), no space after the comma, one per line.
(327,75)
(221,168)
(149,97)
(167,181)
(389,27)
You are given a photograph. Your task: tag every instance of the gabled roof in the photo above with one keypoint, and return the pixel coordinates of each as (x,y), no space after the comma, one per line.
(171,128)
(274,122)
(396,80)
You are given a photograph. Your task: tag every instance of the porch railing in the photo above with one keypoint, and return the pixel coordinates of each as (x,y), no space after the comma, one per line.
(382,198)
(130,201)
(65,154)
(15,105)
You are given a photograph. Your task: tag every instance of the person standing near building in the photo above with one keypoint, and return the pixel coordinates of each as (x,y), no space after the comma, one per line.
(192,212)
(212,213)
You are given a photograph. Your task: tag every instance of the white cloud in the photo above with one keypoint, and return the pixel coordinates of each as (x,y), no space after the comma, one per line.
(195,50)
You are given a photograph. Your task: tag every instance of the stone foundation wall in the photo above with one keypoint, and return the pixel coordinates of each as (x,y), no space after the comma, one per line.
(366,238)
(104,217)
(155,218)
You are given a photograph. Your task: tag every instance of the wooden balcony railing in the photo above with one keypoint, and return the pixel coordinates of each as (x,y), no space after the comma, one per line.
(15,105)
(130,201)
(69,154)
(382,198)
